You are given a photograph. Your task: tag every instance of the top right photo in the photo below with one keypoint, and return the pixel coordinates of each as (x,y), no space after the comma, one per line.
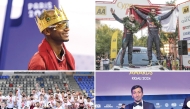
(142,35)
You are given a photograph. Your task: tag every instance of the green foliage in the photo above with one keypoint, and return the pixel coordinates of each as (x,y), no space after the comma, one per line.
(142,41)
(129,26)
(103,39)
(156,22)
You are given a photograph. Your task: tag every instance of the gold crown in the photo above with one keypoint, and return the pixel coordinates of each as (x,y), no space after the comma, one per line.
(47,20)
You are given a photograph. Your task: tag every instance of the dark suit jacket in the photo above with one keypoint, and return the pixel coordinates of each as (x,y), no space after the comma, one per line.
(185,103)
(146,105)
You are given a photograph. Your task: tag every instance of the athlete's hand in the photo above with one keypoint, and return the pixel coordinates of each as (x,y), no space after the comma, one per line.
(133,6)
(112,11)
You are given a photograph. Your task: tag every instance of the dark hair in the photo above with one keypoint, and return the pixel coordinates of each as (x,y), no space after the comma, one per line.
(152,8)
(135,87)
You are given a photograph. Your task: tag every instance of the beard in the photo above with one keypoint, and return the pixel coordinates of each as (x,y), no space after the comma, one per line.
(66,40)
(81,107)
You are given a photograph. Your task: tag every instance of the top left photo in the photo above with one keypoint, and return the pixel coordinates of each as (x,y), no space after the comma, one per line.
(47,35)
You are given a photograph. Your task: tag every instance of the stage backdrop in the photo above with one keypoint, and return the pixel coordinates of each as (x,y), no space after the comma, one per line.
(184,28)
(23,37)
(166,90)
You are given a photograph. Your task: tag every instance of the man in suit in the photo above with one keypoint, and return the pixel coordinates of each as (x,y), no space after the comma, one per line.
(137,94)
(186,104)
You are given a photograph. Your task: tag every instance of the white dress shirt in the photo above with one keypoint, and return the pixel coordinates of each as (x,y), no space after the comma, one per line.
(51,103)
(10,101)
(42,103)
(89,104)
(59,107)
(18,98)
(2,98)
(138,107)
(65,105)
(31,102)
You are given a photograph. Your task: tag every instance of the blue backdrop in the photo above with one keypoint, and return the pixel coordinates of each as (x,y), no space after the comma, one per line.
(21,36)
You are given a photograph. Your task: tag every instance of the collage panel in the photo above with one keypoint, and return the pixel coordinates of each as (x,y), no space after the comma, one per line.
(142,90)
(47,35)
(142,35)
(47,90)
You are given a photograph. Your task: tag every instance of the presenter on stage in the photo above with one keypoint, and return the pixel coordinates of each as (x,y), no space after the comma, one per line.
(139,103)
(186,104)
(52,53)
(130,26)
(153,29)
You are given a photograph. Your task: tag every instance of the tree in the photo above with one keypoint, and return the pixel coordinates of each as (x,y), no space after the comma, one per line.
(135,40)
(173,36)
(142,41)
(103,39)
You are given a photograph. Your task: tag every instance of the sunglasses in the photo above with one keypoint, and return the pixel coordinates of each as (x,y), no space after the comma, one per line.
(60,25)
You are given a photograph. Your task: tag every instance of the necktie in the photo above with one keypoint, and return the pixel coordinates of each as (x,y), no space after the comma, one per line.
(135,104)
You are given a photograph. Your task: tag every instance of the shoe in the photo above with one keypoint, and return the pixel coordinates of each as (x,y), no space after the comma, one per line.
(150,63)
(131,65)
(121,66)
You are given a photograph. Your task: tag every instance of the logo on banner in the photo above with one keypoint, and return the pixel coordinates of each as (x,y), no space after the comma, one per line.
(158,105)
(185,9)
(119,105)
(100,10)
(173,104)
(114,50)
(35,9)
(141,73)
(181,104)
(114,40)
(186,33)
(141,78)
(166,104)
(186,19)
(124,6)
(108,106)
(186,27)
(98,106)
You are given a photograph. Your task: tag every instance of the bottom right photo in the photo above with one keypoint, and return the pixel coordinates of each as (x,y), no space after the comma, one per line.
(143,90)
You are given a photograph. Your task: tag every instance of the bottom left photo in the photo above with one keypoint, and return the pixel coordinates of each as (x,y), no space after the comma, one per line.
(46,90)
